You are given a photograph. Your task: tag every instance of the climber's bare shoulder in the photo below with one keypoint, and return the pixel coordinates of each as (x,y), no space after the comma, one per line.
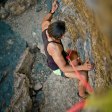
(54,48)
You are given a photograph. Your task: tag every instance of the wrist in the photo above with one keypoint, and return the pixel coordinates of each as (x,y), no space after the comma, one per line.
(51,11)
(81,67)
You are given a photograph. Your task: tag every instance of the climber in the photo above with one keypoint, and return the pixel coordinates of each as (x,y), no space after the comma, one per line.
(75,61)
(52,33)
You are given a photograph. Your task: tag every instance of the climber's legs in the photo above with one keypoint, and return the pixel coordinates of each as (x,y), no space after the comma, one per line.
(81,88)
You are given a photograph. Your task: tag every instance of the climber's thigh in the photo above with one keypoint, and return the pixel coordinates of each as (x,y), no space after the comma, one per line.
(83,74)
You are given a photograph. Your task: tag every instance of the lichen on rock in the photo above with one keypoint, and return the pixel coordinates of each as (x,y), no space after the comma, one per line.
(14,7)
(86,21)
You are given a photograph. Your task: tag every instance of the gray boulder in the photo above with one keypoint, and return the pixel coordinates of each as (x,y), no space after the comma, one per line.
(60,94)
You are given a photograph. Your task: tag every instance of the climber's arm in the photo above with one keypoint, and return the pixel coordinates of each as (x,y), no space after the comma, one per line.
(47,19)
(57,56)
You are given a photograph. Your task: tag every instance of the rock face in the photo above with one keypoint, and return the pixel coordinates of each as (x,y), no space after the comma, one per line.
(84,26)
(60,94)
(26,63)
(21,101)
(87,32)
(11,48)
(84,23)
(19,6)
(3,13)
(14,7)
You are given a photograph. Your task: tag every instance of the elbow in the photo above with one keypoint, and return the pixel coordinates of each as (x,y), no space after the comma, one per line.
(42,22)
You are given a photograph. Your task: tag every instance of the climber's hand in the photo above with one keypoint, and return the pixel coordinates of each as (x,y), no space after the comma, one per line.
(55,6)
(87,65)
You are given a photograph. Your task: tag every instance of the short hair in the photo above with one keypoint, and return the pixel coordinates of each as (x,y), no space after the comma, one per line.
(73,55)
(57,29)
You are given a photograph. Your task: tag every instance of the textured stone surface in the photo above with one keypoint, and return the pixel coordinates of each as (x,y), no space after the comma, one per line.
(11,48)
(60,94)
(89,40)
(14,7)
(91,37)
(83,22)
(21,101)
(3,13)
(19,6)
(26,63)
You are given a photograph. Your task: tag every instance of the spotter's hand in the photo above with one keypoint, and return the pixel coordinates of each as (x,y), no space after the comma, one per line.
(55,6)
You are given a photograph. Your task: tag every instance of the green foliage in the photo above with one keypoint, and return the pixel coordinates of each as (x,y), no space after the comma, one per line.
(102,101)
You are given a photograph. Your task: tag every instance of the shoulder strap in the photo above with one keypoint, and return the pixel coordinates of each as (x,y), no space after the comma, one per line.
(54,42)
